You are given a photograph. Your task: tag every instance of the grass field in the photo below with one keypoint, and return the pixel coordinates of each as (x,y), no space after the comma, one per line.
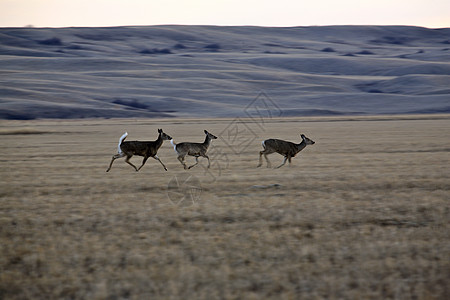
(362,214)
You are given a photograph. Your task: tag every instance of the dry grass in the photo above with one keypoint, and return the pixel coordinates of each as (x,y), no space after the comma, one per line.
(362,214)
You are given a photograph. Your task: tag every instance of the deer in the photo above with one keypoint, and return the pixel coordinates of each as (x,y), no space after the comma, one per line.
(285,148)
(141,148)
(193,149)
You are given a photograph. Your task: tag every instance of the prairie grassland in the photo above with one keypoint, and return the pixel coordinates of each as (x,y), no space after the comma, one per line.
(362,214)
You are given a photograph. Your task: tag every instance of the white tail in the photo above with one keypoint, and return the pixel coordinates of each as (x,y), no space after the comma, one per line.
(174,145)
(285,148)
(146,149)
(120,142)
(193,149)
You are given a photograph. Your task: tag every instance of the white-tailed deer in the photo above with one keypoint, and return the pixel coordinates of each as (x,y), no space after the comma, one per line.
(146,149)
(193,149)
(285,148)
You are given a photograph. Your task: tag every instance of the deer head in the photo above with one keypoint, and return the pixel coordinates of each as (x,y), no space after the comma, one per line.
(307,140)
(211,136)
(164,136)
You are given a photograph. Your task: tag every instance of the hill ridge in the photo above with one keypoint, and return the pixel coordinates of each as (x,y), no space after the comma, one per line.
(217,71)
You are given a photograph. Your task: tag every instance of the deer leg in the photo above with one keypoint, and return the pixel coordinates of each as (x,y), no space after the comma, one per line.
(207,157)
(157,158)
(181,159)
(116,156)
(260,159)
(143,163)
(127,160)
(284,161)
(267,160)
(196,162)
(289,159)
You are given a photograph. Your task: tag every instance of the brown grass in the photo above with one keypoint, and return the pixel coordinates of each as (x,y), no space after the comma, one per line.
(362,214)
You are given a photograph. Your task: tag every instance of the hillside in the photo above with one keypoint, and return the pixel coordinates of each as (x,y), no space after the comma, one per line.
(207,71)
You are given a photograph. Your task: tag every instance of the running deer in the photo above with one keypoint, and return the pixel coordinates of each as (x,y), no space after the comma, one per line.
(146,149)
(193,149)
(287,149)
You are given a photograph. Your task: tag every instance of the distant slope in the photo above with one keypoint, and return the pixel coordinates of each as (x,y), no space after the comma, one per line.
(195,71)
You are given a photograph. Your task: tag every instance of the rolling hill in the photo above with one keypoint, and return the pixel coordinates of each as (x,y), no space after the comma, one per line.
(208,71)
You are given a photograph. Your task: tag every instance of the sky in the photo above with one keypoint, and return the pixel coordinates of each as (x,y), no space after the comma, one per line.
(88,13)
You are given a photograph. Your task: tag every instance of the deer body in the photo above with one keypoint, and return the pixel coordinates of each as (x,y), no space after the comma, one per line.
(285,148)
(193,149)
(140,148)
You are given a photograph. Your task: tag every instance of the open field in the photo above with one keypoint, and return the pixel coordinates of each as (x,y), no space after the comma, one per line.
(362,214)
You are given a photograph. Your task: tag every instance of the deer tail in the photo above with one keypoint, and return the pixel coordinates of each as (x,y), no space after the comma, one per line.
(122,138)
(174,145)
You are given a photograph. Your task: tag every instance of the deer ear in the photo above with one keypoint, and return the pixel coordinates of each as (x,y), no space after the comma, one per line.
(206,132)
(159,130)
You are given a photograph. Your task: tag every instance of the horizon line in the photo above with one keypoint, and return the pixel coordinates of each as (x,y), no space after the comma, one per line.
(30,26)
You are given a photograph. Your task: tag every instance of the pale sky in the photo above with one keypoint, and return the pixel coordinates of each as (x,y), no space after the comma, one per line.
(67,13)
